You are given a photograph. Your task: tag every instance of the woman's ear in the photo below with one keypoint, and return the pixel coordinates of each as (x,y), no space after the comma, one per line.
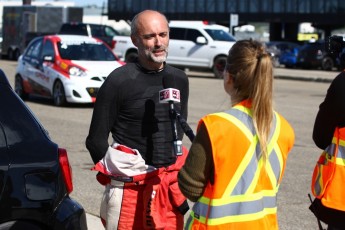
(228,79)
(228,82)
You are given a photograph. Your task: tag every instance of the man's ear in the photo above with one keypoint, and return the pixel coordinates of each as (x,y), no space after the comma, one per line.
(134,40)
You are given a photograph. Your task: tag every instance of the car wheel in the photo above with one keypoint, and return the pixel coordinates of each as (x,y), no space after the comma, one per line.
(219,67)
(131,57)
(19,87)
(59,95)
(327,63)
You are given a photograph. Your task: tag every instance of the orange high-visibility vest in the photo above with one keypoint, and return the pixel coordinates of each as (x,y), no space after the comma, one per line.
(243,195)
(329,173)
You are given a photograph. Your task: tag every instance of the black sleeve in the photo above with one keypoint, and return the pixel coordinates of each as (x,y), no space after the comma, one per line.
(103,118)
(331,113)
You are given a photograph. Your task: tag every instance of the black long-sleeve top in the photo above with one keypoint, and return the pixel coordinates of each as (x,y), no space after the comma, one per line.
(331,112)
(127,106)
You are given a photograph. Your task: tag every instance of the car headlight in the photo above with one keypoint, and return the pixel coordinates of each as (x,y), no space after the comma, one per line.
(75,71)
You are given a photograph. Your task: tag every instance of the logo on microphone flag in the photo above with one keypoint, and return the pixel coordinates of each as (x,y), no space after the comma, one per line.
(169,94)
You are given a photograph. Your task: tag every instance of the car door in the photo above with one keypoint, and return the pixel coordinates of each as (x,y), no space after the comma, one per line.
(46,67)
(188,52)
(32,71)
(177,46)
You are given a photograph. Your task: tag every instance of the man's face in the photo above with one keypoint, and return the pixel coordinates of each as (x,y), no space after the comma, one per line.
(152,39)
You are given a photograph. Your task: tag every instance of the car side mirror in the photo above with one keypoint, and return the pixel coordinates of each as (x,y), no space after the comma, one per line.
(201,40)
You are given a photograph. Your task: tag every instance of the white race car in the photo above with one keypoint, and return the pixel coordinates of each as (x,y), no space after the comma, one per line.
(66,68)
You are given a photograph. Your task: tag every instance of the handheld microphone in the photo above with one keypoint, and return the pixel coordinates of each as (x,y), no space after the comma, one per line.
(171,95)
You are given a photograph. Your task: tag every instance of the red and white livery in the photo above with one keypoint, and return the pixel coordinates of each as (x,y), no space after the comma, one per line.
(66,68)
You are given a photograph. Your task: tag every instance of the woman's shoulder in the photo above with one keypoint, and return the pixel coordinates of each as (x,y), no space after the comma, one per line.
(285,126)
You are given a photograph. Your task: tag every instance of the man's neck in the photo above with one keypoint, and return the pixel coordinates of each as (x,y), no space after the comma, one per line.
(151,68)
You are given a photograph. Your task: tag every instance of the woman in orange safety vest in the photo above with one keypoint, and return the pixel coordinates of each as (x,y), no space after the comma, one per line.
(237,160)
(329,177)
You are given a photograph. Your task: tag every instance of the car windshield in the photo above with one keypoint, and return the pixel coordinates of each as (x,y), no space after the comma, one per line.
(97,30)
(220,35)
(85,51)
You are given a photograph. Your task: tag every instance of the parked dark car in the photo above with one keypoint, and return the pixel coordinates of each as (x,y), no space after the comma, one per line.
(35,174)
(289,58)
(313,55)
(278,48)
(104,32)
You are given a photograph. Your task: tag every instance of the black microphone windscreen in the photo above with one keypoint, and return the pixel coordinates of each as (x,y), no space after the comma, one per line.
(169,82)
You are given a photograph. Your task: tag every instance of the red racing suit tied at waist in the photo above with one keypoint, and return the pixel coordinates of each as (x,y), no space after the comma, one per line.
(125,164)
(159,185)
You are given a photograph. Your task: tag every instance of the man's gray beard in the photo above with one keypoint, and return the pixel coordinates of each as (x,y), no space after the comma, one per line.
(155,59)
(159,59)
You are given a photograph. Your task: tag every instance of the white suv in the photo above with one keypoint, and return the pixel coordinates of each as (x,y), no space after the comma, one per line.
(193,45)
(199,45)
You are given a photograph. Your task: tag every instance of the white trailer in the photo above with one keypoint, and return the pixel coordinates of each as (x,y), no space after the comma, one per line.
(22,23)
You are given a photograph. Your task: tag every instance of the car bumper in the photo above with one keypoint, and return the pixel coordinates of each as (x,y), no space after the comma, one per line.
(82,90)
(69,215)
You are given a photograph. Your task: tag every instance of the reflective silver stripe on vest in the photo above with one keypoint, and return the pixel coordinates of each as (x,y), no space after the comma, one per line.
(236,208)
(249,173)
(341,156)
(273,158)
(317,185)
(341,152)
(330,150)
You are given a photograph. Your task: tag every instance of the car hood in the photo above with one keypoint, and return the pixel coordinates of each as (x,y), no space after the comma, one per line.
(99,67)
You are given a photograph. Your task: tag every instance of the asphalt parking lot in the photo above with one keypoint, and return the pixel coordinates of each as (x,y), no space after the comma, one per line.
(298,94)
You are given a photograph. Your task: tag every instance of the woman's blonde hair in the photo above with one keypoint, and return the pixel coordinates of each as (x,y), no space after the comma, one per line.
(251,69)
